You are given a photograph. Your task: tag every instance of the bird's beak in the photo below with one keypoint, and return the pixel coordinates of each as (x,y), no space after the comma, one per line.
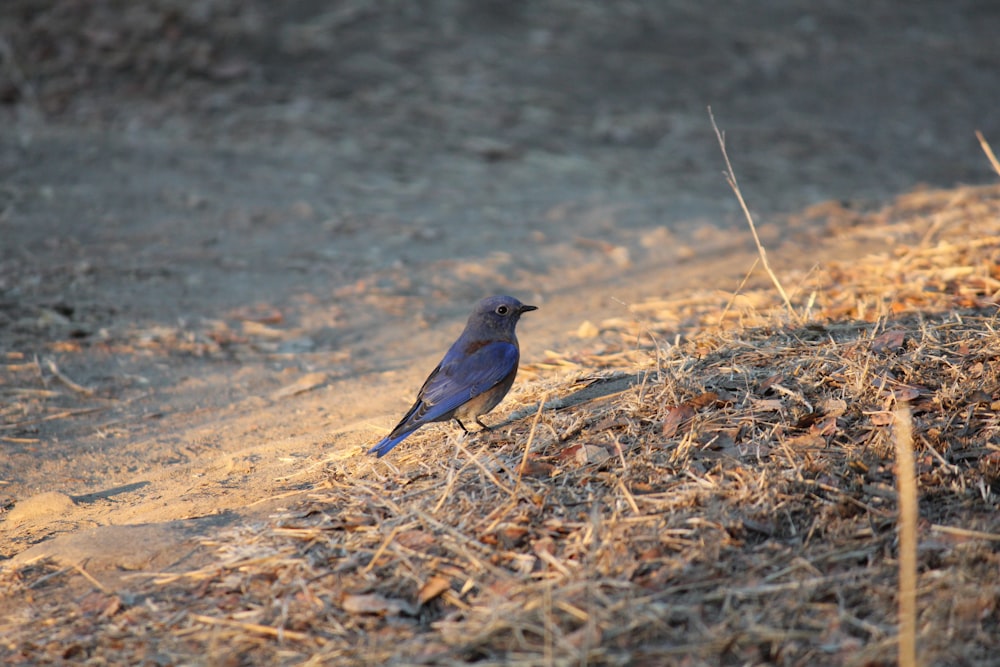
(525,308)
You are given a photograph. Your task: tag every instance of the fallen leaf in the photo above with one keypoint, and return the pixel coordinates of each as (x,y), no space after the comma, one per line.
(417,540)
(833,407)
(806,440)
(432,588)
(770,382)
(372,603)
(609,422)
(592,455)
(767,405)
(512,533)
(677,416)
(544,545)
(533,467)
(723,442)
(827,426)
(703,400)
(568,452)
(980,396)
(808,420)
(888,341)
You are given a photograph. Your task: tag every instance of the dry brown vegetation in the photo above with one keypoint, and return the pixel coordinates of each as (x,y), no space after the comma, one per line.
(704,483)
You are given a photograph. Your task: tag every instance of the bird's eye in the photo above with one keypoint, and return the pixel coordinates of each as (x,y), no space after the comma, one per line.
(502,310)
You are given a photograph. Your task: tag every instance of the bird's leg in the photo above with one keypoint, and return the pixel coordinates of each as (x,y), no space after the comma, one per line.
(459,422)
(485,427)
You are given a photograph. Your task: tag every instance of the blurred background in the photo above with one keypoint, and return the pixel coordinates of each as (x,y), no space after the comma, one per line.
(227,150)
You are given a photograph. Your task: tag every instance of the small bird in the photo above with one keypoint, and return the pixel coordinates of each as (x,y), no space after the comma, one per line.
(474,376)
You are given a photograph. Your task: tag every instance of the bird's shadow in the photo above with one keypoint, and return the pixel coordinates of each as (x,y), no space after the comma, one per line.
(593,389)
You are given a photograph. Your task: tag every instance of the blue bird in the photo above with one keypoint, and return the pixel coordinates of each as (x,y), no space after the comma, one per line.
(474,376)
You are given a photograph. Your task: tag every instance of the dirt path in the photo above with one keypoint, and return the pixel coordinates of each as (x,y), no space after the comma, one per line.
(226,264)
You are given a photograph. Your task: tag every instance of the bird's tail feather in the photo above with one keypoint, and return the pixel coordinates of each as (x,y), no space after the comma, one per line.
(385,445)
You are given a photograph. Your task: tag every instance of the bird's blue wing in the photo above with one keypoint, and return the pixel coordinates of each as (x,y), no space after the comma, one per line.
(477,368)
(465,372)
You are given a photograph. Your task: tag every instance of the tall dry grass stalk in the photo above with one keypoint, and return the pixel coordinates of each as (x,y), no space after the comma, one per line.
(906,484)
(989,152)
(731,179)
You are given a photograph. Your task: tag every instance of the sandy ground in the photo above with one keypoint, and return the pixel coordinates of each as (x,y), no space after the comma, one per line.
(234,238)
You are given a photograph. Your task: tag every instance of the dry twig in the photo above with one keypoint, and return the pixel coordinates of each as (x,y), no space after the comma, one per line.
(731,179)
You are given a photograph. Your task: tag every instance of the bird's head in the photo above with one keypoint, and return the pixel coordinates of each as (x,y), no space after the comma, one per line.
(499,312)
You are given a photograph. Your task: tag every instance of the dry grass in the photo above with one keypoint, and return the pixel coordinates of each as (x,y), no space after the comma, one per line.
(728,498)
